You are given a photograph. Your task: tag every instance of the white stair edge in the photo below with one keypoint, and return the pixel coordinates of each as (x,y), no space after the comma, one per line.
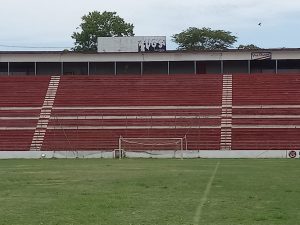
(226,115)
(45,114)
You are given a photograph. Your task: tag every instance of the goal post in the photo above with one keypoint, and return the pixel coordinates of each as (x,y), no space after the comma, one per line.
(143,144)
(118,153)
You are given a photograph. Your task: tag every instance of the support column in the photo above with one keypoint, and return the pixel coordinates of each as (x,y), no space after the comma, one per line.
(62,68)
(35,68)
(222,67)
(249,67)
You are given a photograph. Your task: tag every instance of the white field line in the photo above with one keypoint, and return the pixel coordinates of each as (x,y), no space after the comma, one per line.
(203,200)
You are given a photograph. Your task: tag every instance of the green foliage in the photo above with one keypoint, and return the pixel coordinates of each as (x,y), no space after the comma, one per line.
(248,47)
(204,39)
(97,24)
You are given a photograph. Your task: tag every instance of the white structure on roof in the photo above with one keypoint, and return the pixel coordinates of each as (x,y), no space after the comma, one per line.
(132,44)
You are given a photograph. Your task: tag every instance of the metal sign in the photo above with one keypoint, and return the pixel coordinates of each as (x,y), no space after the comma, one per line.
(261,55)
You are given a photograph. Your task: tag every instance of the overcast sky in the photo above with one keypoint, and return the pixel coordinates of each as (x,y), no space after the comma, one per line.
(50,23)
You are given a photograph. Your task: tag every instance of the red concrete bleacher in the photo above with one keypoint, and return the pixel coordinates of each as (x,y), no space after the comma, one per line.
(23,91)
(266,89)
(266,139)
(15,140)
(92,112)
(188,90)
(265,112)
(21,99)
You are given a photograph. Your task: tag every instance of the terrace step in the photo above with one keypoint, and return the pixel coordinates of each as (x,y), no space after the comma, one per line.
(226,116)
(42,124)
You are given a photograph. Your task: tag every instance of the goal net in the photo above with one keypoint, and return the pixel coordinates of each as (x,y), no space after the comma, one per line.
(151,144)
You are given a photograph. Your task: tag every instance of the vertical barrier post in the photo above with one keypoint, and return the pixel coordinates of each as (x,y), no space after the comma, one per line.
(181,146)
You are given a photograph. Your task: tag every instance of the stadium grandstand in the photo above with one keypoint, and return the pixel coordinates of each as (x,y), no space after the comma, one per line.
(231,103)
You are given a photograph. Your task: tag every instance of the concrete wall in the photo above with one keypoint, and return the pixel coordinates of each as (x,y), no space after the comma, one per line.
(155,67)
(71,68)
(183,67)
(152,154)
(102,68)
(49,68)
(3,68)
(234,66)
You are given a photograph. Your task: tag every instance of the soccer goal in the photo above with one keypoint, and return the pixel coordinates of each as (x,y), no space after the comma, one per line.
(153,144)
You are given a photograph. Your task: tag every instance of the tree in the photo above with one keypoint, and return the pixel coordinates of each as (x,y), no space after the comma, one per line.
(248,47)
(204,39)
(96,24)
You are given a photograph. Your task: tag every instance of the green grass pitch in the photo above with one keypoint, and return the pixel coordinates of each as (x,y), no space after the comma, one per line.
(150,192)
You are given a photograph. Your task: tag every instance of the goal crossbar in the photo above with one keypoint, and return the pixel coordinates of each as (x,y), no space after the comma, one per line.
(145,143)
